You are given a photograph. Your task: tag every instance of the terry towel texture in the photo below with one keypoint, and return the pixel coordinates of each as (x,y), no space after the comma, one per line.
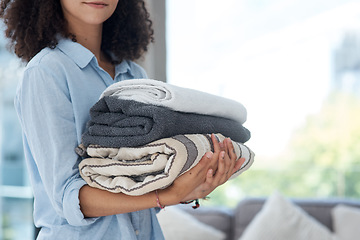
(128,123)
(138,170)
(177,98)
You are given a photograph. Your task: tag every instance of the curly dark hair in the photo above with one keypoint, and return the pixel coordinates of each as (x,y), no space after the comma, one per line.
(33,25)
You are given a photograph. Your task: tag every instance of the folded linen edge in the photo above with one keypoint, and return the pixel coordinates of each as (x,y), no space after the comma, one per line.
(92,178)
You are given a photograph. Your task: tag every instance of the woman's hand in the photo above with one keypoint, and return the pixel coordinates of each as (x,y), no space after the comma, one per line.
(227,165)
(213,170)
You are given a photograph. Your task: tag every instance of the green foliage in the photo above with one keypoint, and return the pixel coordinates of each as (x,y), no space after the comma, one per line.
(330,142)
(331,137)
(7,231)
(322,159)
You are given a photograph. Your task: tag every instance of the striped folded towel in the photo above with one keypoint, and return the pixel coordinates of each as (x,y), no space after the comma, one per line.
(179,99)
(139,170)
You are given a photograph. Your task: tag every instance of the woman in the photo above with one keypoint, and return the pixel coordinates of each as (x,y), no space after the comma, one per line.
(74,49)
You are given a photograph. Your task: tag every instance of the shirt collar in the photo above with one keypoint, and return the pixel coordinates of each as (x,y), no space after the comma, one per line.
(123,67)
(75,51)
(83,56)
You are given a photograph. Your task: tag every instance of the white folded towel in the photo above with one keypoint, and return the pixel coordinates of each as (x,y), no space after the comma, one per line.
(177,98)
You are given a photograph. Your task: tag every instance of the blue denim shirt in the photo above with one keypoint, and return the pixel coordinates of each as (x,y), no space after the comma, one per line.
(53,101)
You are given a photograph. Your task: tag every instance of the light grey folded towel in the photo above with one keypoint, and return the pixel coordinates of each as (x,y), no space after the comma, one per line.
(139,170)
(177,98)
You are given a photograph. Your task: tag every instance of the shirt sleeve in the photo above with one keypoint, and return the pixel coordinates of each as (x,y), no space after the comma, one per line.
(47,117)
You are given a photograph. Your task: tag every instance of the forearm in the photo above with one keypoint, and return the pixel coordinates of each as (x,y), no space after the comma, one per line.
(96,202)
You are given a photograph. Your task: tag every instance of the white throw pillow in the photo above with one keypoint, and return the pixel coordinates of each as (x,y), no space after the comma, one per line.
(346,222)
(280,219)
(177,224)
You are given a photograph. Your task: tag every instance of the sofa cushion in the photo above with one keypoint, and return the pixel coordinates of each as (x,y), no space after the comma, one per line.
(320,209)
(234,221)
(280,219)
(346,221)
(244,214)
(220,218)
(180,225)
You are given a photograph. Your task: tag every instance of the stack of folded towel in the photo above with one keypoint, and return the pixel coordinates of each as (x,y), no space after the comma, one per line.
(144,133)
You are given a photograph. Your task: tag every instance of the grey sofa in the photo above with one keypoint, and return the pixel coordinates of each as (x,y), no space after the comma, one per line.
(234,221)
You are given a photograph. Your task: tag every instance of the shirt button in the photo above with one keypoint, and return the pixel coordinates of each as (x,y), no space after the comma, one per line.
(137,232)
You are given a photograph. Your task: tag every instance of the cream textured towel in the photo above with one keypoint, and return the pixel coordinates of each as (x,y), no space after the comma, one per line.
(139,170)
(177,98)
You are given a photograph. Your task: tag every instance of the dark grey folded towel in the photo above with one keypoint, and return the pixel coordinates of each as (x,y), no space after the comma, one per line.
(126,123)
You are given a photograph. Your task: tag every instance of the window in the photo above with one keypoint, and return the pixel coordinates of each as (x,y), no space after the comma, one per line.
(15,192)
(295,67)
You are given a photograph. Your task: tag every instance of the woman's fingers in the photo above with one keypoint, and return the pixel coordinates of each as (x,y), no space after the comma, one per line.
(232,156)
(228,163)
(231,150)
(204,163)
(226,145)
(216,144)
(238,165)
(214,169)
(202,180)
(220,175)
(210,177)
